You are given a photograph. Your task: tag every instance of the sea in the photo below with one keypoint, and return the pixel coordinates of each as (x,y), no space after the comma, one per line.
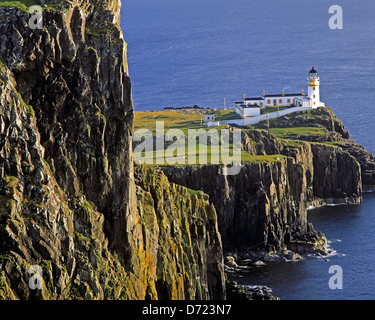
(211,52)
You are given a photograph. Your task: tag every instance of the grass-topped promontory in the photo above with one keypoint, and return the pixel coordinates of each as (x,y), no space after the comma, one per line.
(313,126)
(179,120)
(192,121)
(24,5)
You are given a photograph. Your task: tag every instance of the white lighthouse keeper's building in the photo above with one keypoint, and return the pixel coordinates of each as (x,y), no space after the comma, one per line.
(250,107)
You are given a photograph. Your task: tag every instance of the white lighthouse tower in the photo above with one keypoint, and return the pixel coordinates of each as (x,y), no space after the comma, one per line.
(313,89)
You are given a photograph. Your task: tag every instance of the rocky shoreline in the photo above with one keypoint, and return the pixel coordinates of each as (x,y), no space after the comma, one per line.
(249,292)
(237,262)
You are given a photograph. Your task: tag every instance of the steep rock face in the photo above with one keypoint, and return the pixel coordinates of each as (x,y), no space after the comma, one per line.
(337,175)
(181,237)
(39,224)
(68,201)
(260,142)
(74,74)
(365,159)
(335,131)
(266,204)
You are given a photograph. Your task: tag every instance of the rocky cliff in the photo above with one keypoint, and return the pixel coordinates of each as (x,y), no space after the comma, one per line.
(69,203)
(181,238)
(73,207)
(265,205)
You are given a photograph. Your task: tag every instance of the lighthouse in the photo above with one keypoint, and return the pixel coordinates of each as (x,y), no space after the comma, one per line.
(313,89)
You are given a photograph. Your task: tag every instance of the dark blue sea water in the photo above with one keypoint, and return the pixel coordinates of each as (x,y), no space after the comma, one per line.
(198,52)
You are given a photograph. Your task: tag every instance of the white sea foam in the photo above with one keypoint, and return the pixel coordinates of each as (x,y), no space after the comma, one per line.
(334,241)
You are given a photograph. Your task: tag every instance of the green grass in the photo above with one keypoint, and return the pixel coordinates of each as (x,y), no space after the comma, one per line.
(97,31)
(23,5)
(156,159)
(247,158)
(172,120)
(334,143)
(285,133)
(297,143)
(209,157)
(179,120)
(292,143)
(196,192)
(230,114)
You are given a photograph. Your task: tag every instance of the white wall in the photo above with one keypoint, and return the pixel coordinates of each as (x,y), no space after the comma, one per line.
(262,117)
(284,101)
(209,118)
(213,123)
(239,111)
(316,93)
(251,112)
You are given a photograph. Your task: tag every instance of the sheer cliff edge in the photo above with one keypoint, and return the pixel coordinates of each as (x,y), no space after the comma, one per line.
(69,205)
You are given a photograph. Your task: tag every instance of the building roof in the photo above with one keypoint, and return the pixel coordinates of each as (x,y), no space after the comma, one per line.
(313,70)
(285,95)
(276,96)
(249,99)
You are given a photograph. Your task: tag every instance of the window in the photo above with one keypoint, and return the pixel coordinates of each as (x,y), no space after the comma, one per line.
(261,104)
(280,101)
(314,88)
(314,96)
(288,100)
(268,101)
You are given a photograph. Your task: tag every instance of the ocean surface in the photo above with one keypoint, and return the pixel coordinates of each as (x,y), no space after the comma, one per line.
(200,52)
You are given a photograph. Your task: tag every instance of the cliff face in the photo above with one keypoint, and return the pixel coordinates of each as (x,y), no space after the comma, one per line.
(72,204)
(335,132)
(74,75)
(266,204)
(181,238)
(67,193)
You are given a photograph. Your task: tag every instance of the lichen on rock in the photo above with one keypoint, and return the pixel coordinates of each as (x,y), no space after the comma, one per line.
(68,200)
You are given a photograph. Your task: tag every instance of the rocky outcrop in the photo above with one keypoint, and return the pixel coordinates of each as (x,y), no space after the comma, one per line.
(265,205)
(243,292)
(365,159)
(73,207)
(41,225)
(335,132)
(260,142)
(69,203)
(321,117)
(337,175)
(74,74)
(181,237)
